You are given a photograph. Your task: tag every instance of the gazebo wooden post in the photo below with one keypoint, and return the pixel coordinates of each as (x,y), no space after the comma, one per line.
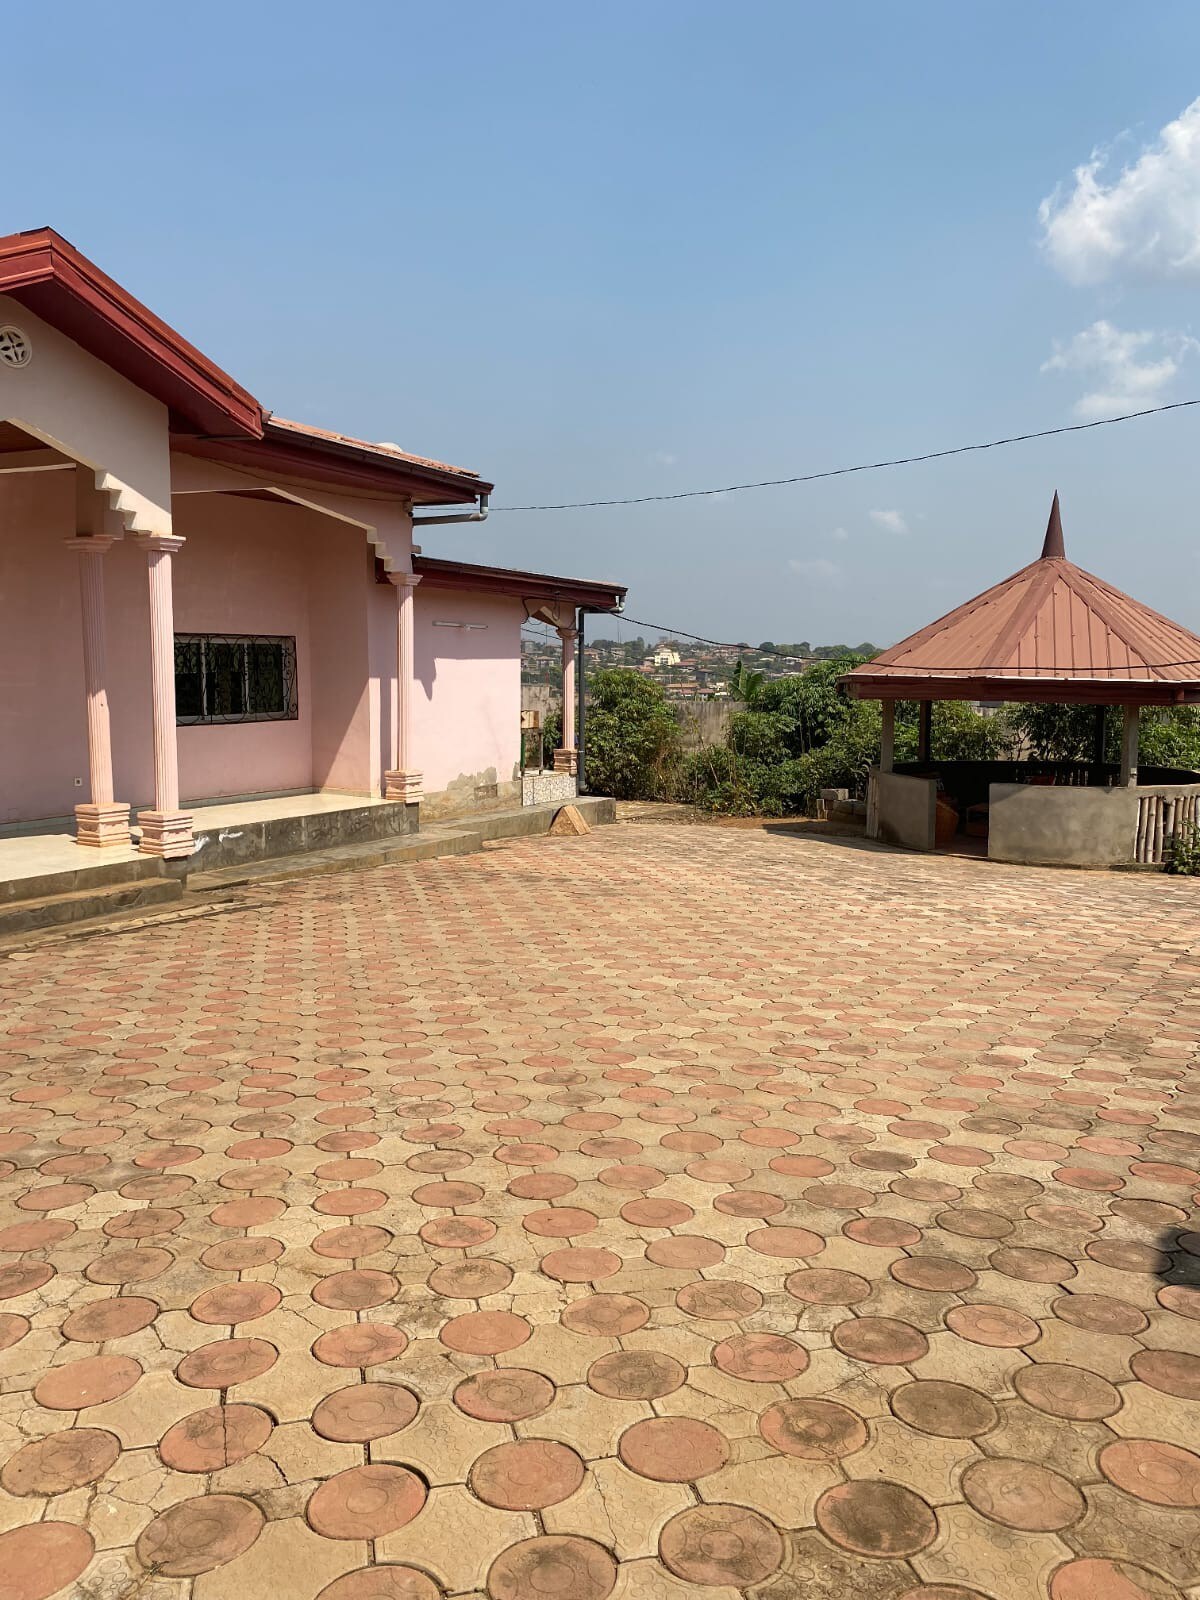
(887,735)
(925,732)
(1098,731)
(1129,746)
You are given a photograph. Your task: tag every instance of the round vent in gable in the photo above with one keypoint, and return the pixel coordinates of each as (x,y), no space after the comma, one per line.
(15,349)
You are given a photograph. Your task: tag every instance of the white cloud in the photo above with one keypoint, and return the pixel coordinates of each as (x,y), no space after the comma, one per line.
(1129,370)
(818,570)
(663,458)
(839,535)
(1145,222)
(893,521)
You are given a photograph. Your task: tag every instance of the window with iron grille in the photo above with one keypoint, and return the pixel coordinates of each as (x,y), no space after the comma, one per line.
(234,677)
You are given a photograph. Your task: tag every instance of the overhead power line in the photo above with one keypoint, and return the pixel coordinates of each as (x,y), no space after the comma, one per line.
(866,466)
(783,655)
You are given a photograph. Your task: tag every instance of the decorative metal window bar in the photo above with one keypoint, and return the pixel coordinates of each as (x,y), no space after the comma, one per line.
(234,677)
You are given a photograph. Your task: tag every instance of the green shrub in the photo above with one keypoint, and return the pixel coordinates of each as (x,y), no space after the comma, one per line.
(1183,852)
(633,746)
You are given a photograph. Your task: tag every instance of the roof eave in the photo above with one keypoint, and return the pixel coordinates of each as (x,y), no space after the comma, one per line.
(41,270)
(441,573)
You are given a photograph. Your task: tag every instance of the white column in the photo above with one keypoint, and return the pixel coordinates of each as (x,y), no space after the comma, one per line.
(166,830)
(887,735)
(1129,746)
(403,782)
(566,757)
(103,821)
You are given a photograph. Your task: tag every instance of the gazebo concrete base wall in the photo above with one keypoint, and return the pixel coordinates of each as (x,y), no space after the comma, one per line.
(1070,827)
(902,810)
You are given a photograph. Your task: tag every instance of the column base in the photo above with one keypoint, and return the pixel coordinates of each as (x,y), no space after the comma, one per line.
(402,785)
(167,834)
(566,761)
(102,827)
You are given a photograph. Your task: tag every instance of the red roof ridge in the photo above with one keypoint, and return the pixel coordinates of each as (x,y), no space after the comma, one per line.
(390,451)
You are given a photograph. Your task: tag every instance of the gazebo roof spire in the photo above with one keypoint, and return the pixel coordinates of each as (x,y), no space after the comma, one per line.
(1053,545)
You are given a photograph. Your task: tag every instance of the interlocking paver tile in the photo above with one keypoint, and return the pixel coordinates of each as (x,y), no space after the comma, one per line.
(668,1211)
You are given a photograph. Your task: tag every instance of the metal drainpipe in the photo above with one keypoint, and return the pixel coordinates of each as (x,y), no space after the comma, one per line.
(580,780)
(478,515)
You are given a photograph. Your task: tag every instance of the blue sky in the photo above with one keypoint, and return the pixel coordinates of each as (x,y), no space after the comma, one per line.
(599,251)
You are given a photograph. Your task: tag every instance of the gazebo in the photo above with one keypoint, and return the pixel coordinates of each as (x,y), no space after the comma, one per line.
(1049,633)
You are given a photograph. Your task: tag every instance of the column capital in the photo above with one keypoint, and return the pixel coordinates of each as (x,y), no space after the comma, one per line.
(90,544)
(162,543)
(567,634)
(404,580)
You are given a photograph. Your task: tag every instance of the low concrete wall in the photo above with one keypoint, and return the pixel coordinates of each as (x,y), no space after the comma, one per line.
(1061,827)
(546,788)
(903,810)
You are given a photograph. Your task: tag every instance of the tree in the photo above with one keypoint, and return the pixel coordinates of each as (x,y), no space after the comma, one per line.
(746,686)
(632,748)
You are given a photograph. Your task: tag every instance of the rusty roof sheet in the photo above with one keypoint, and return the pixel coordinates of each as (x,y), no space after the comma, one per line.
(1049,620)
(391,452)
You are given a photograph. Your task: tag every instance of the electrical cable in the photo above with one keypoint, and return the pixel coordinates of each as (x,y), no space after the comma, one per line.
(868,466)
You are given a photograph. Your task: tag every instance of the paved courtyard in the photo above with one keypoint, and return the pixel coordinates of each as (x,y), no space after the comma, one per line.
(670,1212)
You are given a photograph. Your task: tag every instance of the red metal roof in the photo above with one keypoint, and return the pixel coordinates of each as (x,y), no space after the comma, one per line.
(1049,632)
(539,587)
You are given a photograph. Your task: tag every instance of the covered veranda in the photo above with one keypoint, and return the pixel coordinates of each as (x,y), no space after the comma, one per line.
(1049,634)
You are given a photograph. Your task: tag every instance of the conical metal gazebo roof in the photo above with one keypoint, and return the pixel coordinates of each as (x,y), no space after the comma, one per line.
(1050,632)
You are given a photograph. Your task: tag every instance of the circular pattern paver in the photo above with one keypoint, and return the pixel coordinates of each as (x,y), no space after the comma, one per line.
(1174,1372)
(936,1274)
(876,1518)
(360,1344)
(673,1449)
(719,1300)
(816,1430)
(1098,1313)
(993,1325)
(793,1244)
(60,1462)
(552,1567)
(760,1357)
(883,1341)
(197,1535)
(721,1544)
(508,1394)
(1163,1474)
(485,1333)
(636,1374)
(1065,1391)
(827,1286)
(364,1411)
(360,1289)
(101,1320)
(1022,1495)
(215,1437)
(43,1559)
(365,1502)
(689,1251)
(231,1303)
(526,1474)
(581,1265)
(1089,1579)
(949,1410)
(605,1315)
(90,1382)
(382,1583)
(470,1280)
(226,1362)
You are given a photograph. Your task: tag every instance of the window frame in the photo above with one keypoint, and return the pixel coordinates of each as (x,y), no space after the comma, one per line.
(202,643)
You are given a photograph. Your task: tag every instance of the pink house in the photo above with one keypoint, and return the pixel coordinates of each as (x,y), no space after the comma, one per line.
(202,602)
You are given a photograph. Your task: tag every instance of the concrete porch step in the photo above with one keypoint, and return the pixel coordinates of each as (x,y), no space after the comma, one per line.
(457,838)
(35,912)
(341,858)
(85,878)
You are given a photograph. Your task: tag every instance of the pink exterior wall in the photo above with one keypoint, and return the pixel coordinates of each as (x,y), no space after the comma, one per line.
(248,566)
(467,705)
